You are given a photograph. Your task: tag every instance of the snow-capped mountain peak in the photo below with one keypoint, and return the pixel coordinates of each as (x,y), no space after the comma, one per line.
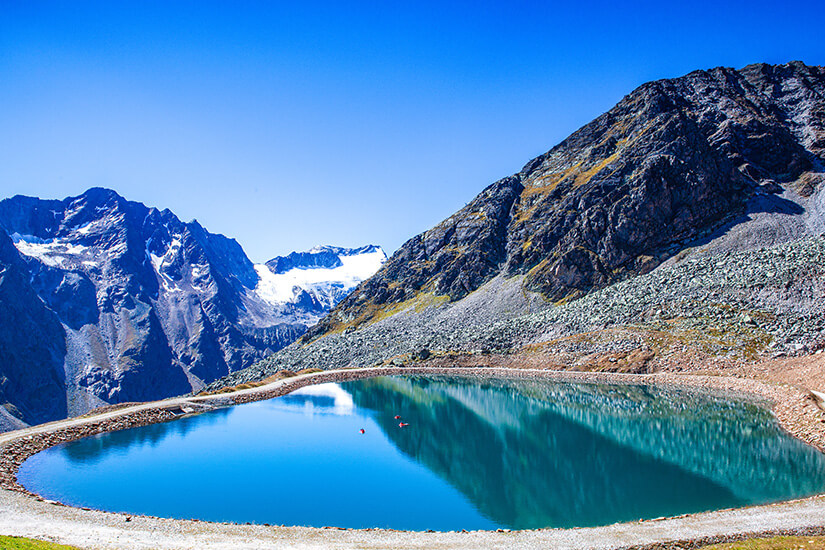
(138,305)
(316,280)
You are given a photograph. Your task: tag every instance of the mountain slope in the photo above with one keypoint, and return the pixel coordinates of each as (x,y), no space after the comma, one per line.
(673,161)
(687,219)
(128,303)
(32,348)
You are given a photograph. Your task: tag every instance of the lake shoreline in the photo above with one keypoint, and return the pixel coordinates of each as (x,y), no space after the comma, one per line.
(797,412)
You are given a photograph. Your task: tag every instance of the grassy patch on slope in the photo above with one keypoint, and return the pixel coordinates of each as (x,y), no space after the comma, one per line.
(20,543)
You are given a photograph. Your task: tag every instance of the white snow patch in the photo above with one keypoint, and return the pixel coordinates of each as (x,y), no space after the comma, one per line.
(272,288)
(17,237)
(199,271)
(52,252)
(39,252)
(171,250)
(200,277)
(159,261)
(75,248)
(88,227)
(85,229)
(278,288)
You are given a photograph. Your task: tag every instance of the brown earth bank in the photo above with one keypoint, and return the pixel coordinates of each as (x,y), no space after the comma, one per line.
(784,384)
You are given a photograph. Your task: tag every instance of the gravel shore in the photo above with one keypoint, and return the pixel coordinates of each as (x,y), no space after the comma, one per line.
(24,514)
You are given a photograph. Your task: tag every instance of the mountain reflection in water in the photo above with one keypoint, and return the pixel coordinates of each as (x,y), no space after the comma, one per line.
(95,448)
(321,398)
(539,454)
(473,454)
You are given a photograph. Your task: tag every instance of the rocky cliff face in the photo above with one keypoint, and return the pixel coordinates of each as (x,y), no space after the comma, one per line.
(32,348)
(669,164)
(103,300)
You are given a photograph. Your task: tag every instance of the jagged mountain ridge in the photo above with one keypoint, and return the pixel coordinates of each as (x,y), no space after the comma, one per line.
(673,161)
(319,256)
(128,303)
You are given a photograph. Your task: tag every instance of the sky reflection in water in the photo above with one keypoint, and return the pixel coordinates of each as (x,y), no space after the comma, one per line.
(475,455)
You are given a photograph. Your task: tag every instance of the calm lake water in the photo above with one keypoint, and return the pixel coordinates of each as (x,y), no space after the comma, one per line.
(473,455)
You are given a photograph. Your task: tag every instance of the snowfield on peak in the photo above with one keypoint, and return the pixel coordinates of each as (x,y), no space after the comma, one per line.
(52,252)
(129,303)
(319,282)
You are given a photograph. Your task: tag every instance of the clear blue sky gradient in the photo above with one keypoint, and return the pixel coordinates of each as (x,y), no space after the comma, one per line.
(287,125)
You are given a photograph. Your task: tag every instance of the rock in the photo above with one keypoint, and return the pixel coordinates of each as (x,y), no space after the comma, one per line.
(422,354)
(555,257)
(670,164)
(32,347)
(770,187)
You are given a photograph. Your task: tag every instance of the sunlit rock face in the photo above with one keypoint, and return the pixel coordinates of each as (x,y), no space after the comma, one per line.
(671,163)
(124,302)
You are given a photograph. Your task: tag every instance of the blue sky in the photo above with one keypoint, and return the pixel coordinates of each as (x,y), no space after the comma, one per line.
(287,125)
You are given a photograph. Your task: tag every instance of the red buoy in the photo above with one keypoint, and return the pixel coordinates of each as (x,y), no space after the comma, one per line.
(397,416)
(362,430)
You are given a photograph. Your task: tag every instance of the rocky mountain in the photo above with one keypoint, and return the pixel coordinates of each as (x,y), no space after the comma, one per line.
(669,164)
(32,347)
(104,300)
(688,217)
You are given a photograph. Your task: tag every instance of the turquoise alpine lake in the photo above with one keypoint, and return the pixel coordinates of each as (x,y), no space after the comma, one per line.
(441,453)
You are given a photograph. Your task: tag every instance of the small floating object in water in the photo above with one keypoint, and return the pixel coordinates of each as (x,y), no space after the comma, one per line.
(403,424)
(397,416)
(362,430)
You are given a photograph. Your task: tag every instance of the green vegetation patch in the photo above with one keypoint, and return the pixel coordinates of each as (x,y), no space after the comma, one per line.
(774,543)
(372,313)
(20,543)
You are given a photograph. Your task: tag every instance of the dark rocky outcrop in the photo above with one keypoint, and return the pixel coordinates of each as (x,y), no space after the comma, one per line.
(32,346)
(320,258)
(670,163)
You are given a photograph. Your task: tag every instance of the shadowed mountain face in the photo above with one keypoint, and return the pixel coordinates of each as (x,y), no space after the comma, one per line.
(32,347)
(670,163)
(104,300)
(531,455)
